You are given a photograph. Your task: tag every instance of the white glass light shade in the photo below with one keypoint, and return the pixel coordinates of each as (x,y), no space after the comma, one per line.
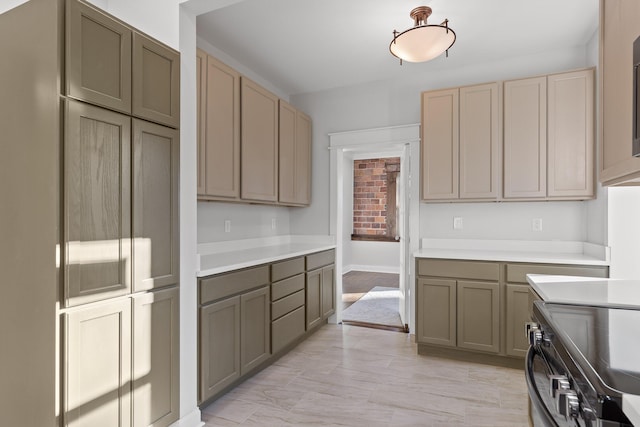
(419,44)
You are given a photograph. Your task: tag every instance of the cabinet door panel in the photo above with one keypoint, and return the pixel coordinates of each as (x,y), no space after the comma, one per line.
(201,95)
(517,316)
(436,308)
(222,130)
(155,358)
(570,134)
(328,291)
(255,327)
(525,138)
(259,154)
(98,366)
(287,153)
(219,346)
(479,316)
(314,298)
(479,142)
(440,140)
(156,154)
(98,58)
(156,82)
(303,159)
(96,203)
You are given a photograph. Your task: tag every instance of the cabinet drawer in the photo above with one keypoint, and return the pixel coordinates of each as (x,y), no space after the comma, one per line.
(224,285)
(459,269)
(287,304)
(288,268)
(286,329)
(517,273)
(321,259)
(287,287)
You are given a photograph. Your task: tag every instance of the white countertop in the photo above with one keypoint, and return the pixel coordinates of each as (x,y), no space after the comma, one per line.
(631,408)
(221,257)
(542,252)
(586,290)
(593,291)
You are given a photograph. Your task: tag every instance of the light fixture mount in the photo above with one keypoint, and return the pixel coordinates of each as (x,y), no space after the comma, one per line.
(424,41)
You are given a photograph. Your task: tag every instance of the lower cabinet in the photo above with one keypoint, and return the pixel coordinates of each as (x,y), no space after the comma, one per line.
(113,377)
(234,339)
(480,306)
(320,295)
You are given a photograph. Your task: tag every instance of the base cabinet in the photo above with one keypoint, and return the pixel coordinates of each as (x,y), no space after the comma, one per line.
(255,329)
(480,306)
(321,288)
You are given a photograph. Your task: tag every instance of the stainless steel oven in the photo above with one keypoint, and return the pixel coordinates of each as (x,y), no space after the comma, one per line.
(579,364)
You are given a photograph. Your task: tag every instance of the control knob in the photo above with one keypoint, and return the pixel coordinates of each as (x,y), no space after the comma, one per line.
(567,403)
(558,383)
(535,336)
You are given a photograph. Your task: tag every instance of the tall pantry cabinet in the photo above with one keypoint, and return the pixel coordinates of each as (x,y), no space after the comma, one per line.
(93,143)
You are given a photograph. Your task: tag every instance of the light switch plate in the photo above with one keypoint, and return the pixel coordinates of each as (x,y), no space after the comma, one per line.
(457,223)
(536,224)
(227,225)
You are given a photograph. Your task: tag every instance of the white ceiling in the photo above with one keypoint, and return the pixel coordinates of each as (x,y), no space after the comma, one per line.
(312,45)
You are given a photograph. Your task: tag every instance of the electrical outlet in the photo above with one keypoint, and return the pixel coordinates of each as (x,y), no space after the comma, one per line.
(536,224)
(273,223)
(457,223)
(227,225)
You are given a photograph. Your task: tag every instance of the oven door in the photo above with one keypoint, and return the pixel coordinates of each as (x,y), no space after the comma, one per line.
(543,410)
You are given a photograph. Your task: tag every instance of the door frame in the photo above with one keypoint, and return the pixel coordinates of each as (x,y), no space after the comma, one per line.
(403,139)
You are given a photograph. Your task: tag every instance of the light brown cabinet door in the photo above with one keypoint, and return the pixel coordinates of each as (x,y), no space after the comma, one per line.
(156,349)
(287,153)
(517,315)
(294,162)
(259,133)
(480,158)
(440,144)
(478,310)
(618,30)
(98,58)
(155,172)
(97,204)
(570,130)
(97,365)
(219,346)
(255,329)
(219,160)
(314,298)
(328,291)
(436,311)
(525,138)
(155,81)
(201,96)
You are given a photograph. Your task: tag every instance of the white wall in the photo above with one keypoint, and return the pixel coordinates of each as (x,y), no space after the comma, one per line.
(383,104)
(247,221)
(504,221)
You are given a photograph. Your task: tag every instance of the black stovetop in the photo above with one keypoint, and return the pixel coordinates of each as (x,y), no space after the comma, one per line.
(604,341)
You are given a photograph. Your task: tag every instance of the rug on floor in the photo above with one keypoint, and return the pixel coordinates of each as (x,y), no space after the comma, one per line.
(379,306)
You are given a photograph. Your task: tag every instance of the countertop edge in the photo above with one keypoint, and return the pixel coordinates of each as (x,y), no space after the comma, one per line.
(260,261)
(525,257)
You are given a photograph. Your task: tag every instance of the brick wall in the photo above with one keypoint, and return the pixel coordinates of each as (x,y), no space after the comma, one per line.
(370,189)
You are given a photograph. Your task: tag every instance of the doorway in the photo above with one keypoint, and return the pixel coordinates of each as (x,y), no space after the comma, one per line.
(401,141)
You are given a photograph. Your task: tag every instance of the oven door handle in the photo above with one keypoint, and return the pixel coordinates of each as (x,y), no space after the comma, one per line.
(534,393)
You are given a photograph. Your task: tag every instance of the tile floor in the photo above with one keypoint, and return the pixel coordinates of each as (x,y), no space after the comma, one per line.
(352,376)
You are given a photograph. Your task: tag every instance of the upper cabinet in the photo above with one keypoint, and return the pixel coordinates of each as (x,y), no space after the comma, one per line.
(219,130)
(294,156)
(549,137)
(542,150)
(618,30)
(252,146)
(461,143)
(525,138)
(259,141)
(111,65)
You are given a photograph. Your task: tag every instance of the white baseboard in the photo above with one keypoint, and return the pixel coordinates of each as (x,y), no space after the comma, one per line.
(371,268)
(193,419)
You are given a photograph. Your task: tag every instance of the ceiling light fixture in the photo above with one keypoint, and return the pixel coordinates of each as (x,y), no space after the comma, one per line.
(422,42)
